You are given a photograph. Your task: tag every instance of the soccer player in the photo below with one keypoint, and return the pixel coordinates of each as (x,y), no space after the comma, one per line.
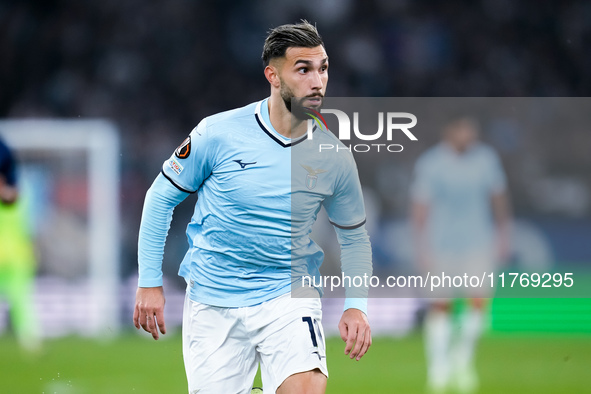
(259,187)
(461,220)
(17,259)
(8,189)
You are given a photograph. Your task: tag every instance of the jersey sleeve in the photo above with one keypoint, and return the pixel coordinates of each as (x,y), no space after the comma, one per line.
(192,162)
(161,199)
(7,165)
(497,180)
(346,212)
(421,189)
(356,262)
(345,207)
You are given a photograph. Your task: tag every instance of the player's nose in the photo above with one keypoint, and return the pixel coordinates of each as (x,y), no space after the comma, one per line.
(317,81)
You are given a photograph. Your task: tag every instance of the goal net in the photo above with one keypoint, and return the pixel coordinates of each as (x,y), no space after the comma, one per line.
(69,176)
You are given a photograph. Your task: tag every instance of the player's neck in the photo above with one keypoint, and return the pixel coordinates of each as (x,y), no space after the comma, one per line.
(458,149)
(281,119)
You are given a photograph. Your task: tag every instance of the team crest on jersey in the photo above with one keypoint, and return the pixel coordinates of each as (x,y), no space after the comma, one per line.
(184,149)
(312,177)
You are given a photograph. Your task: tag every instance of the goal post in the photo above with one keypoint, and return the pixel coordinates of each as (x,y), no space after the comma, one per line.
(99,141)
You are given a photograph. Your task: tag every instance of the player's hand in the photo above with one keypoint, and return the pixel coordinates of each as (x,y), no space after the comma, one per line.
(355,331)
(149,310)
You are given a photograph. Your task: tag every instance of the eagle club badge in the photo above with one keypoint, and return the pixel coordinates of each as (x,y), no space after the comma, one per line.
(312,177)
(184,149)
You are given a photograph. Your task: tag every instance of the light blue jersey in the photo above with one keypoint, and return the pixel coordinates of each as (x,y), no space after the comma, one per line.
(258,196)
(457,187)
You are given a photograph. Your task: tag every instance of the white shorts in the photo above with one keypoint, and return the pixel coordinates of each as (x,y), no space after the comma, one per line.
(456,272)
(222,347)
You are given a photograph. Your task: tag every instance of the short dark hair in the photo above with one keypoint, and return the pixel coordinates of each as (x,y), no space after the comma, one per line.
(303,35)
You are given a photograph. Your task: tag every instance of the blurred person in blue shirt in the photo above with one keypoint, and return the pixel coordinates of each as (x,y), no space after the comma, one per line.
(460,219)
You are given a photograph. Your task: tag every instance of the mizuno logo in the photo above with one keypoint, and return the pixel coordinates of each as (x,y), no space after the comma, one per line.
(243,165)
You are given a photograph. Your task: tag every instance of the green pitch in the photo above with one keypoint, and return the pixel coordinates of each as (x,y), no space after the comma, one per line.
(507,363)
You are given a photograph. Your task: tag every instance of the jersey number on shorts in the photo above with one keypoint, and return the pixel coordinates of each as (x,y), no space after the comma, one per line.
(308,320)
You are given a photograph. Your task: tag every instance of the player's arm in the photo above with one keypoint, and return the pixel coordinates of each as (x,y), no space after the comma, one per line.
(500,205)
(418,217)
(502,216)
(356,261)
(161,199)
(182,174)
(421,192)
(346,212)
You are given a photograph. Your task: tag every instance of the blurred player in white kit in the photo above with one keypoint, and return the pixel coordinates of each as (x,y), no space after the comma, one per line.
(460,219)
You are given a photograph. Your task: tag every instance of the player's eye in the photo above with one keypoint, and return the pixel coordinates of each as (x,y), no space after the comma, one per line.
(303,70)
(323,68)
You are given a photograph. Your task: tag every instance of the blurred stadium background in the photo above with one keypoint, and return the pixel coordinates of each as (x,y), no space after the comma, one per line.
(150,70)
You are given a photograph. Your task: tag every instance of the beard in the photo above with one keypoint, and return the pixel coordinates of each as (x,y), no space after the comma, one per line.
(296,105)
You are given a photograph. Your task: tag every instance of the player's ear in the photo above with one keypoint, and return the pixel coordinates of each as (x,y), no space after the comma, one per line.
(272,75)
